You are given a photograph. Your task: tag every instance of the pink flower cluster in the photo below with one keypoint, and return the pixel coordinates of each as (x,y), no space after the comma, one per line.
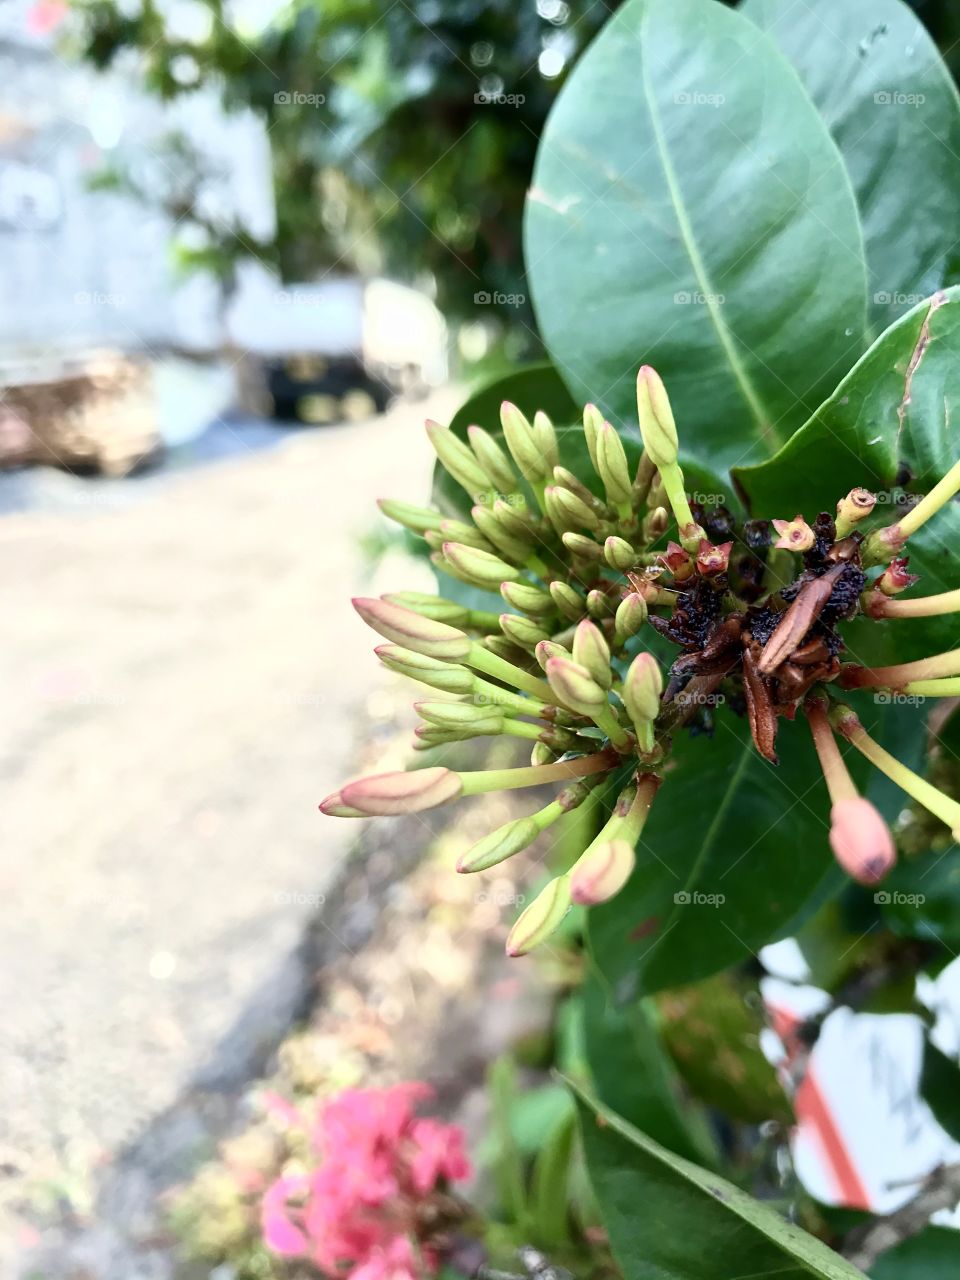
(358,1213)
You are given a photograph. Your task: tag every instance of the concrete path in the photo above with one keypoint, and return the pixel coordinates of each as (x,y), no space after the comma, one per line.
(180,679)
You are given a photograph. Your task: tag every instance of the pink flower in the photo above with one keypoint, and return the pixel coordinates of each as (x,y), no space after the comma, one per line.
(279,1232)
(45,16)
(395,1262)
(440,1154)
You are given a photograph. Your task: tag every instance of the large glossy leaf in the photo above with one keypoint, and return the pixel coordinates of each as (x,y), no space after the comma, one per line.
(633,1075)
(898,406)
(888,100)
(668,1219)
(690,210)
(932,1255)
(940,1088)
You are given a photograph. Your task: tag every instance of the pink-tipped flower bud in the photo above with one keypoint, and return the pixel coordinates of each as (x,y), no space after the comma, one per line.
(600,604)
(592,652)
(601,872)
(386,794)
(522,631)
(492,459)
(448,676)
(541,918)
(479,568)
(404,627)
(619,554)
(642,688)
(419,519)
(712,560)
(499,845)
(428,606)
(567,600)
(575,686)
(631,614)
(612,465)
(592,422)
(567,511)
(548,649)
(519,436)
(794,535)
(657,427)
(532,600)
(895,578)
(545,439)
(456,458)
(582,546)
(334,807)
(861,840)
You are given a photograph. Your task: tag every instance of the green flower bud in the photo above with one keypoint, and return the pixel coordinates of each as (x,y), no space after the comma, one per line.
(569,602)
(655,524)
(580,545)
(428,606)
(567,480)
(510,546)
(439,675)
(519,436)
(458,531)
(499,845)
(619,554)
(386,794)
(456,458)
(657,427)
(592,422)
(548,649)
(599,604)
(546,439)
(541,918)
(592,652)
(419,519)
(541,754)
(514,517)
(480,567)
(492,459)
(334,807)
(502,647)
(612,465)
(642,688)
(521,631)
(532,600)
(457,715)
(575,686)
(404,627)
(630,616)
(601,871)
(567,511)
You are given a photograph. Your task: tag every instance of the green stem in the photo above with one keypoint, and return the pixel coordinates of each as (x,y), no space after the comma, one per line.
(478,781)
(492,665)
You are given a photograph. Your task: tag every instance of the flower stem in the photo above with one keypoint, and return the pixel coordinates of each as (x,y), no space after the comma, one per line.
(895,677)
(671,477)
(605,719)
(949,688)
(941,806)
(477,781)
(835,772)
(923,607)
(492,665)
(884,542)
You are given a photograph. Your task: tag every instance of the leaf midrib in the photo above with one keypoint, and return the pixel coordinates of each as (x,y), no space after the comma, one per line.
(763,421)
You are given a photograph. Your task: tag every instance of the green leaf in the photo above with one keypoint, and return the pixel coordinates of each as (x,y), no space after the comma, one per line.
(940,1088)
(897,406)
(932,1255)
(634,1077)
(669,1219)
(689,210)
(550,1189)
(888,100)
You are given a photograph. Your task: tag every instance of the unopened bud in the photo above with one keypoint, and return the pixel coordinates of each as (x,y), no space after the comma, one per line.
(794,535)
(580,545)
(657,427)
(404,627)
(456,715)
(541,918)
(592,422)
(570,603)
(456,458)
(548,649)
(502,647)
(522,631)
(592,652)
(612,465)
(431,671)
(567,511)
(514,517)
(600,604)
(619,554)
(712,560)
(513,548)
(630,616)
(642,687)
(518,434)
(541,754)
(334,807)
(499,845)
(601,872)
(895,577)
(429,606)
(386,794)
(575,686)
(493,460)
(856,506)
(532,600)
(546,439)
(419,519)
(655,524)
(459,531)
(861,840)
(480,567)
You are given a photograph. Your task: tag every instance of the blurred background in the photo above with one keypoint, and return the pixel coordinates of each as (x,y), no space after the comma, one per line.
(247,248)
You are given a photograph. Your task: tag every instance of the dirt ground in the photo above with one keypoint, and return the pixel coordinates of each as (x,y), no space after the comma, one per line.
(181,680)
